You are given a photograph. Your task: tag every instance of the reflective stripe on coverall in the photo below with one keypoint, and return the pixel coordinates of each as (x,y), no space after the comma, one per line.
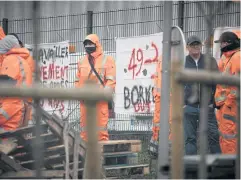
(107,70)
(225,98)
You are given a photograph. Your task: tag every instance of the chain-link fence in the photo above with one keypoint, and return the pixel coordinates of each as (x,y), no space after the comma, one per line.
(122,23)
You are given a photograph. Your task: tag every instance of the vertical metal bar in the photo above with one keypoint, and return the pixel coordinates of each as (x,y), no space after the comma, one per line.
(5,25)
(92,166)
(76,156)
(66,147)
(38,153)
(177,147)
(237,173)
(89,22)
(163,148)
(202,173)
(181,14)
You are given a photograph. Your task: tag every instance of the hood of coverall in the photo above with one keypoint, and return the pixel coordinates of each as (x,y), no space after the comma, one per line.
(95,39)
(10,46)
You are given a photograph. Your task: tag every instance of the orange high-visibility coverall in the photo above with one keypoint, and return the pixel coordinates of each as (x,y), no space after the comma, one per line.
(25,55)
(157,96)
(220,67)
(2,35)
(105,66)
(11,113)
(225,98)
(12,110)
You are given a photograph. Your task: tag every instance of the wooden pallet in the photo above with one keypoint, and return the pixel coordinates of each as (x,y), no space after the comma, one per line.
(51,139)
(53,151)
(119,171)
(52,174)
(123,158)
(120,146)
(124,170)
(119,156)
(122,152)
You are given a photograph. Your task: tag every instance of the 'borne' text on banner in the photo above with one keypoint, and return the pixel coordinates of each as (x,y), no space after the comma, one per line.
(136,63)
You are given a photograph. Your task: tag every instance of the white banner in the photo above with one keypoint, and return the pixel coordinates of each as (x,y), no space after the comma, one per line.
(217,33)
(54,64)
(136,59)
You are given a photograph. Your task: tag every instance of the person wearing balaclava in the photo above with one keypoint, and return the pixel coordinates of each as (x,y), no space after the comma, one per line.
(226,96)
(100,68)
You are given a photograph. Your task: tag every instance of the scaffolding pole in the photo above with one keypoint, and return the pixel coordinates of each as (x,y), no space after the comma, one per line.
(38,148)
(163,148)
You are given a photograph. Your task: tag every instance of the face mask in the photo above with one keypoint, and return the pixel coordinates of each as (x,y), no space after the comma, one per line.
(90,49)
(230,47)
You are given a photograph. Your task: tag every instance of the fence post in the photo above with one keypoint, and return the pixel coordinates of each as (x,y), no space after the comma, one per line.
(89,22)
(38,148)
(181,14)
(163,147)
(5,25)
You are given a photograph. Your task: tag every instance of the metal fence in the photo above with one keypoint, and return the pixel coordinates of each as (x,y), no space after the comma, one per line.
(121,23)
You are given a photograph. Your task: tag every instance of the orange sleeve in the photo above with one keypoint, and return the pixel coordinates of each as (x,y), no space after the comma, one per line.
(235,70)
(110,77)
(155,79)
(10,67)
(220,65)
(77,76)
(2,34)
(9,108)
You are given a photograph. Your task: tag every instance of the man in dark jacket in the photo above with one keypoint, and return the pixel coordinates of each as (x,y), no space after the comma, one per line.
(192,98)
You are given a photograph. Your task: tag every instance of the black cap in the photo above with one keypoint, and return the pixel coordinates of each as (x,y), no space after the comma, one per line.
(87,40)
(228,37)
(15,35)
(193,39)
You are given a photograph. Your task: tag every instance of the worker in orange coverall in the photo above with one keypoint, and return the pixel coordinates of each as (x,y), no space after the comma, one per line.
(25,55)
(220,67)
(153,148)
(226,96)
(106,70)
(14,65)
